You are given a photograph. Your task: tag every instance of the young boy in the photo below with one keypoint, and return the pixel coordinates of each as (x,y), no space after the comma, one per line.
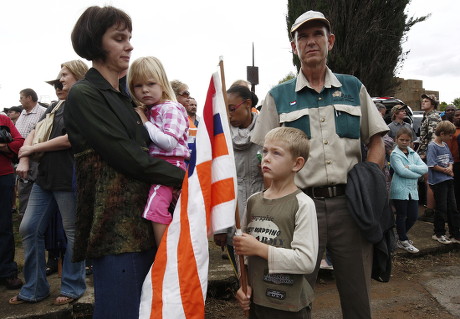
(441,181)
(282,233)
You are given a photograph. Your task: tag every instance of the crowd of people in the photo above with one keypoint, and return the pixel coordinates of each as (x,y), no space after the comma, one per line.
(430,158)
(109,171)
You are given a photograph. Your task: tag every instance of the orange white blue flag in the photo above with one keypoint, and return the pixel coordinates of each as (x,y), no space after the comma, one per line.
(177,282)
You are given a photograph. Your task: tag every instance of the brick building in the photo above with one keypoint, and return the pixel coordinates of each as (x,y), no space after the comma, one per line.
(410,91)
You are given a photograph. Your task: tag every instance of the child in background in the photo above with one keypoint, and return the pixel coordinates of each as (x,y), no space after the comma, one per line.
(282,233)
(440,178)
(408,167)
(167,126)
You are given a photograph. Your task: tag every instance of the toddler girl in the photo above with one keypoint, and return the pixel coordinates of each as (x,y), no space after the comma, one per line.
(167,125)
(408,167)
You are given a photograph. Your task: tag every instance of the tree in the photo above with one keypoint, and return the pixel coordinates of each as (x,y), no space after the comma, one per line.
(369,36)
(288,77)
(456,102)
(442,106)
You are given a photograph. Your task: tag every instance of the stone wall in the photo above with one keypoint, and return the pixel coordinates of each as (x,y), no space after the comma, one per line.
(409,91)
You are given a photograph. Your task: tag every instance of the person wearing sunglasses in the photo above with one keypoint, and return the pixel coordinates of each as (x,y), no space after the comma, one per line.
(52,191)
(183,97)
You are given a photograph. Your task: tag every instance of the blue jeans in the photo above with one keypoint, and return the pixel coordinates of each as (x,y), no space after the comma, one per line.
(8,267)
(42,204)
(406,216)
(118,283)
(446,208)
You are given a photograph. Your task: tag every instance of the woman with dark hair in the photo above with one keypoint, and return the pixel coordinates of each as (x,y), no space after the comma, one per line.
(113,168)
(52,190)
(250,179)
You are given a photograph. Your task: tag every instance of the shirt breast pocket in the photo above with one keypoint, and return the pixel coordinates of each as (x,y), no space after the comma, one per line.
(299,119)
(347,121)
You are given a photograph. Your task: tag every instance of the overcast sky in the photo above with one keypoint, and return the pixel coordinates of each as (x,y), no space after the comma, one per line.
(189,36)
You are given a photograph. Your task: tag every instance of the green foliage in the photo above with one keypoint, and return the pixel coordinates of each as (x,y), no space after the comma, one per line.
(456,102)
(288,77)
(442,106)
(369,36)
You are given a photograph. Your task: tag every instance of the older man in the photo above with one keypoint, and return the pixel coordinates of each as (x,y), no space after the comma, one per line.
(30,115)
(337,114)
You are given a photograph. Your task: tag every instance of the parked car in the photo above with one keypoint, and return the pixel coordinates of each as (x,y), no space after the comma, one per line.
(389,102)
(417,117)
(414,118)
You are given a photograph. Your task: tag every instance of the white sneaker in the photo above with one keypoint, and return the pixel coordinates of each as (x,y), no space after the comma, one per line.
(442,239)
(454,240)
(407,246)
(325,265)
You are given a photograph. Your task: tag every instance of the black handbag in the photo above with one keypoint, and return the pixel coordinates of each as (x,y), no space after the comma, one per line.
(5,135)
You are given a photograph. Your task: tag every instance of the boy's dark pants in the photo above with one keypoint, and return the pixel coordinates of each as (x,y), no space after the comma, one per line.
(446,206)
(261,312)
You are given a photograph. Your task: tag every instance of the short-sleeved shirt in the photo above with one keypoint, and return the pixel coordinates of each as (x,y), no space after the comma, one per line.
(337,120)
(440,156)
(27,120)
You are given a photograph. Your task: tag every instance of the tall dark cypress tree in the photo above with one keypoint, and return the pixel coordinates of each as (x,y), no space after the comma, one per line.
(369,36)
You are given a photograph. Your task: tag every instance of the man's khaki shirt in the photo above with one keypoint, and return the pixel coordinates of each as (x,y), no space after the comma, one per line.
(337,120)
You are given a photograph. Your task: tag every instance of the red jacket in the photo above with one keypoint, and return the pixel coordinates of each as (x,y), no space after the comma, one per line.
(6,167)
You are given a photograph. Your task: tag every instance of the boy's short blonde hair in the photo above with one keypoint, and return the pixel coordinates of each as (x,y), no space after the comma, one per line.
(149,68)
(296,141)
(445,127)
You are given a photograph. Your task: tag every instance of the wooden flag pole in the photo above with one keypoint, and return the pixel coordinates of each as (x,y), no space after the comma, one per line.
(243,275)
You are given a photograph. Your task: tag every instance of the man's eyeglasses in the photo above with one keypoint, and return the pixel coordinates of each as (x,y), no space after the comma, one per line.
(185,94)
(58,85)
(232,109)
